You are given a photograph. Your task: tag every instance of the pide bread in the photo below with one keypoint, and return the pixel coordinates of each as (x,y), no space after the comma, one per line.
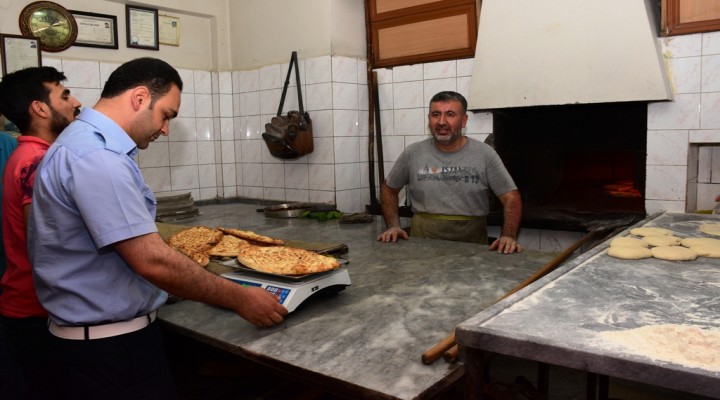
(285,260)
(252,237)
(228,246)
(196,242)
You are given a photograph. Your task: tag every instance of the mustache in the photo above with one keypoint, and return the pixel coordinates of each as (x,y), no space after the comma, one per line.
(76,112)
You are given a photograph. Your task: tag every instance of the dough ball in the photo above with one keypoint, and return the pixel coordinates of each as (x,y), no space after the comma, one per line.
(673,253)
(710,229)
(625,241)
(662,240)
(696,241)
(707,250)
(629,252)
(649,231)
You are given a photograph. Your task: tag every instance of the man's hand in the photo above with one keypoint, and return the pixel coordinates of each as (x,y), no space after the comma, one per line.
(261,308)
(392,233)
(506,245)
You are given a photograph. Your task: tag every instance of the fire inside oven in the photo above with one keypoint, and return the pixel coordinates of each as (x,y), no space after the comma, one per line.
(575,161)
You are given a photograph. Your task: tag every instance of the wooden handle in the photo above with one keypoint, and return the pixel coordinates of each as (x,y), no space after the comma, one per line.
(435,352)
(554,263)
(451,355)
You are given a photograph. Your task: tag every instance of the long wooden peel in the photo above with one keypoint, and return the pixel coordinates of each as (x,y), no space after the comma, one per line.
(449,349)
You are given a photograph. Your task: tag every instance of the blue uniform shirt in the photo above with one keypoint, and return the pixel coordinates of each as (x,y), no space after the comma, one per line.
(89,194)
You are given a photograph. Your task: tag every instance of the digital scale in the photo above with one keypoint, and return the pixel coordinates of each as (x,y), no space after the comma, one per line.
(291,290)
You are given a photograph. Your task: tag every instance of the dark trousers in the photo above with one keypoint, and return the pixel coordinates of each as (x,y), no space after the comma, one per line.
(129,366)
(27,373)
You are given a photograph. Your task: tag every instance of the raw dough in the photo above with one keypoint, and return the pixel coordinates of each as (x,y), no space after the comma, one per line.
(629,252)
(650,231)
(696,241)
(707,250)
(673,253)
(662,240)
(710,229)
(687,345)
(625,241)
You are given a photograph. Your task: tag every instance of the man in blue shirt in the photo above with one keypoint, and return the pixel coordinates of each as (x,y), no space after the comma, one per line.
(101,268)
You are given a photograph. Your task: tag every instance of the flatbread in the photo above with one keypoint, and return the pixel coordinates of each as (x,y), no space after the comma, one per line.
(285,260)
(195,242)
(662,240)
(252,237)
(650,231)
(625,241)
(228,246)
(697,241)
(710,229)
(707,250)
(629,252)
(673,253)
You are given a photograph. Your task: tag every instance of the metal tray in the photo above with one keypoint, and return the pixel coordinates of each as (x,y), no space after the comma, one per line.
(288,210)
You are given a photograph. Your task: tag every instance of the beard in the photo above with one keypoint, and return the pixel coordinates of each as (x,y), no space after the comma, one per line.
(446,139)
(58,122)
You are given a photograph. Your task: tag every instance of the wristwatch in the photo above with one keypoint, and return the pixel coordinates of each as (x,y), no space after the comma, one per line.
(51,23)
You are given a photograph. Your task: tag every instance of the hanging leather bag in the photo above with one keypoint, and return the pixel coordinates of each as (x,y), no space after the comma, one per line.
(290,136)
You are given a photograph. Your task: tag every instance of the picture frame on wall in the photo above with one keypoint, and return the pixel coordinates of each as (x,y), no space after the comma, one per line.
(142,27)
(169,30)
(18,52)
(96,30)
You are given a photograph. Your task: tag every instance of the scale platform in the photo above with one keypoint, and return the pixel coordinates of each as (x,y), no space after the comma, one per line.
(292,290)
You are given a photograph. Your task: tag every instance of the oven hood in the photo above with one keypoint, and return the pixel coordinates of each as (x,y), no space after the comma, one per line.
(556,52)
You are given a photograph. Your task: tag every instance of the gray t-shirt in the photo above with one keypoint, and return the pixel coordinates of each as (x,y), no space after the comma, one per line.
(450,183)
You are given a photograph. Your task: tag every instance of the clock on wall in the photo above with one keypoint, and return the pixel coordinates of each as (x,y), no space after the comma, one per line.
(51,23)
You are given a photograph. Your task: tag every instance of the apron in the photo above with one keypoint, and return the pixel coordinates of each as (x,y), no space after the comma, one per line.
(459,228)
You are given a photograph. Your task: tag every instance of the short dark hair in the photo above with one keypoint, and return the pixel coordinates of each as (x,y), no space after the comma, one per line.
(20,88)
(155,74)
(450,96)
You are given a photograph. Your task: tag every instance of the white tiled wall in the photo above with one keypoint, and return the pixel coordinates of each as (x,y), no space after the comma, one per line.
(685,133)
(215,148)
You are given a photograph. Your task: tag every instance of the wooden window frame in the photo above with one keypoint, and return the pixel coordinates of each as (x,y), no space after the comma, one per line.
(673,25)
(419,14)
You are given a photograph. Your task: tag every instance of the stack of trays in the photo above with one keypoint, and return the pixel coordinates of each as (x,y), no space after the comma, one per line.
(176,207)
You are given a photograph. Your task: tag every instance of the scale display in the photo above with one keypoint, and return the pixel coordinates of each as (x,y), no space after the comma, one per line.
(291,293)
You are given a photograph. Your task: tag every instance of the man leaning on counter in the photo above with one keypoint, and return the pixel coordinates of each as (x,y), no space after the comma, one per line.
(449,178)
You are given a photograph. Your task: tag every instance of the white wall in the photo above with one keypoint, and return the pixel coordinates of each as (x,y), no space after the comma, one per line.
(265,32)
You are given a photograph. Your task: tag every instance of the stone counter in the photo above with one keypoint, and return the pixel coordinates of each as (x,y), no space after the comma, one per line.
(562,318)
(367,340)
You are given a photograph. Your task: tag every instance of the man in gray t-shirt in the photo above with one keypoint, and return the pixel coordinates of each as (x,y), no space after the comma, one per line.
(449,178)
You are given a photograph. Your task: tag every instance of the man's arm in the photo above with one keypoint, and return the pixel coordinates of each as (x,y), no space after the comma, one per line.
(389,203)
(154,260)
(512,214)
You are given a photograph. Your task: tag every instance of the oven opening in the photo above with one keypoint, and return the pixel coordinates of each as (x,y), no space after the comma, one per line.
(574,165)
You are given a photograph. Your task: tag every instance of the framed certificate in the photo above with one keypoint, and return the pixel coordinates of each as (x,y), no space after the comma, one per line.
(19,52)
(142,27)
(96,30)
(169,30)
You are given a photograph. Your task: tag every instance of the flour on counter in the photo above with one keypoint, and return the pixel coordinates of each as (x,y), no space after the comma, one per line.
(686,345)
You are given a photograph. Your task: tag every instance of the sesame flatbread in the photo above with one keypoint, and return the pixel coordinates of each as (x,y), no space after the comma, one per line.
(228,246)
(285,260)
(195,242)
(252,237)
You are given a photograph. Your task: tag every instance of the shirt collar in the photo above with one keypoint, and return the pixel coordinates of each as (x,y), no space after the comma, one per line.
(116,139)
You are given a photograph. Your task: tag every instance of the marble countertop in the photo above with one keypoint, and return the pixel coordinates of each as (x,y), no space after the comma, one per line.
(367,340)
(561,318)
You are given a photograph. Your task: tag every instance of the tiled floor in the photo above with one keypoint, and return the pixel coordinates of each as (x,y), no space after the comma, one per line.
(204,373)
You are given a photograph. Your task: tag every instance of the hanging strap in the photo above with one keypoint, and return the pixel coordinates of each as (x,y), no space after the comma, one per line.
(293,60)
